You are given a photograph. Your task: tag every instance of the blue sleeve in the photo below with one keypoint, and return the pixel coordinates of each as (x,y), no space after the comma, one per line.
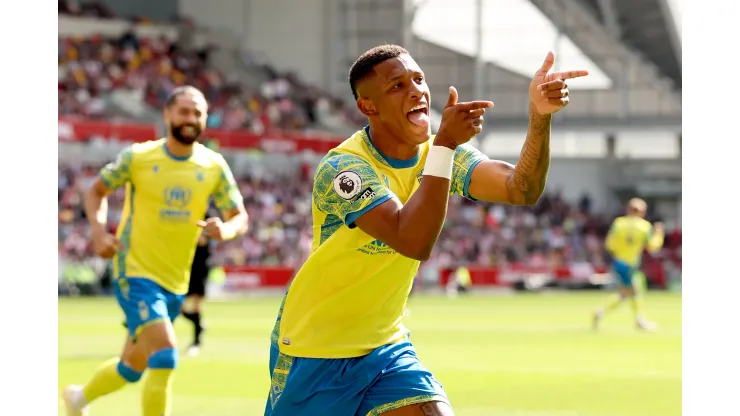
(467,158)
(347,186)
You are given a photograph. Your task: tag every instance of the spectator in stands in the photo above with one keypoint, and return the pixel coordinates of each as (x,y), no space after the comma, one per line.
(550,234)
(85,9)
(91,68)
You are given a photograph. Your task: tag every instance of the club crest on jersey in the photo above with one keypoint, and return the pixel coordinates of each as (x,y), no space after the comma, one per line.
(177,197)
(347,184)
(418,177)
(199,176)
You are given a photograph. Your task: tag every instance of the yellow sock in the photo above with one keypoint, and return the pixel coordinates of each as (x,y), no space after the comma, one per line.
(614,302)
(157,392)
(109,377)
(637,306)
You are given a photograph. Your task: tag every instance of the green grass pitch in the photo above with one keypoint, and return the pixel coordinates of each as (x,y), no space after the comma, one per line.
(519,355)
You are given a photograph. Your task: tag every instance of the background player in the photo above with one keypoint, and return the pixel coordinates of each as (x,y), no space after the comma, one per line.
(168,186)
(628,237)
(191,309)
(459,281)
(339,346)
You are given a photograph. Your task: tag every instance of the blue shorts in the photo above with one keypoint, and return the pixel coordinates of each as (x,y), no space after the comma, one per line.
(145,302)
(388,378)
(623,273)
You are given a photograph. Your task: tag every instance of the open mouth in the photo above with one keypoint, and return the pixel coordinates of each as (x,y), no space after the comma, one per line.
(189,130)
(419,115)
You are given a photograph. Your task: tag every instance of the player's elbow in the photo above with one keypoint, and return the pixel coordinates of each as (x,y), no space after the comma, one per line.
(417,251)
(423,255)
(531,197)
(523,200)
(522,194)
(531,200)
(243,226)
(240,220)
(419,256)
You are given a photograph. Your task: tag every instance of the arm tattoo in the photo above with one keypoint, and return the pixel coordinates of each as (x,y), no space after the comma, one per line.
(527,182)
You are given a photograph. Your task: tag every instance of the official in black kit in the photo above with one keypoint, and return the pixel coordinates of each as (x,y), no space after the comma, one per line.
(192,306)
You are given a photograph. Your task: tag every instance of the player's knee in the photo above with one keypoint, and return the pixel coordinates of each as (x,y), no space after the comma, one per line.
(128,373)
(163,359)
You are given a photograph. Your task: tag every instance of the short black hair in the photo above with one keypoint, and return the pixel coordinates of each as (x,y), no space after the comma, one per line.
(364,65)
(185,89)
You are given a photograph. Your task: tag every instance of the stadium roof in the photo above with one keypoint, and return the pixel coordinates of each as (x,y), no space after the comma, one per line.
(516,36)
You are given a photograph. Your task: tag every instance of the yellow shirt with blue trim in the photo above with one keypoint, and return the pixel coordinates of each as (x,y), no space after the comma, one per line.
(629,236)
(463,277)
(349,296)
(165,197)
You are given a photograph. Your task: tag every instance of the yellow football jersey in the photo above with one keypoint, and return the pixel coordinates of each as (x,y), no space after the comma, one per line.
(462,274)
(629,236)
(349,296)
(165,197)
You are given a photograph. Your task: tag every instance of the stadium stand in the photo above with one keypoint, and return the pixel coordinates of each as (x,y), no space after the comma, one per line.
(556,234)
(91,67)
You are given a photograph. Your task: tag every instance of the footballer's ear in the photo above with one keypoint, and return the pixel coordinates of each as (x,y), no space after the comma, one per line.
(366,107)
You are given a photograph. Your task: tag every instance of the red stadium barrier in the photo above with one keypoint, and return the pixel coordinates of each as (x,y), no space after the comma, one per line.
(494,276)
(73,129)
(245,278)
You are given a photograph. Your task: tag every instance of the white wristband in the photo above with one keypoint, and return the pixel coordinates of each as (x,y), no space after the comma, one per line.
(439,162)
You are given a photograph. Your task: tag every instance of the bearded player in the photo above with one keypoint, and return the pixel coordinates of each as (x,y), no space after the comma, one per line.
(628,238)
(379,202)
(168,183)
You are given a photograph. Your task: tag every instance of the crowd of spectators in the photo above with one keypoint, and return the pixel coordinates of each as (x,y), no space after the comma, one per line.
(94,9)
(89,68)
(99,10)
(552,233)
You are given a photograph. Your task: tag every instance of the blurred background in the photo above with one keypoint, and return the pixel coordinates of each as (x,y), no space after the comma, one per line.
(275,75)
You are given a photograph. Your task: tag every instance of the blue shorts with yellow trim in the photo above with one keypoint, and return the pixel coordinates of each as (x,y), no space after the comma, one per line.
(388,378)
(145,302)
(623,273)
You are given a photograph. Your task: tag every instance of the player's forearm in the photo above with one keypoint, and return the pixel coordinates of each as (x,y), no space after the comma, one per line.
(237,225)
(420,220)
(96,210)
(527,181)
